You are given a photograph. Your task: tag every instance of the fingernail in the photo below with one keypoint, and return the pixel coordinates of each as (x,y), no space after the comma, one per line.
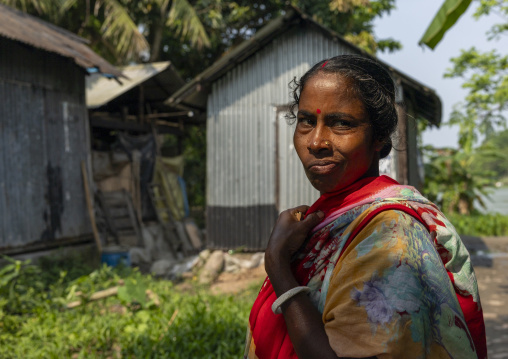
(320,214)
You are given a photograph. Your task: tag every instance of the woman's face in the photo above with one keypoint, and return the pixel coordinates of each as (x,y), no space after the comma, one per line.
(333,135)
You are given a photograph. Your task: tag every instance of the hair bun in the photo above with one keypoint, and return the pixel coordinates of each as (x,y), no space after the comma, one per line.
(385,151)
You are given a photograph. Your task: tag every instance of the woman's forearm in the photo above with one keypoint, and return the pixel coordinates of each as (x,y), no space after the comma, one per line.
(303,320)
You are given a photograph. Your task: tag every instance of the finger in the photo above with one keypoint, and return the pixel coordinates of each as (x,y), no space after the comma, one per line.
(292,211)
(296,212)
(302,209)
(313,219)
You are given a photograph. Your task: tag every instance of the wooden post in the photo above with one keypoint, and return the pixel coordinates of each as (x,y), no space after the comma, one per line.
(90,207)
(402,165)
(125,113)
(141,104)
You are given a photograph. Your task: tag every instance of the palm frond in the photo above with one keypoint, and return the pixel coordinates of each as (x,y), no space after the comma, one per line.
(183,17)
(46,8)
(119,29)
(22,5)
(65,5)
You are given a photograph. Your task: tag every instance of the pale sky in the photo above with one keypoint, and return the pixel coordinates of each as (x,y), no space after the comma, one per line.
(407,24)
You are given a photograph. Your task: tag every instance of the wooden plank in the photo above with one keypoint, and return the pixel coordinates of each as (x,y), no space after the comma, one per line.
(95,296)
(133,216)
(107,216)
(90,208)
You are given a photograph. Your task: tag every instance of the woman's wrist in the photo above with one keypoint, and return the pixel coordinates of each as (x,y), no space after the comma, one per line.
(275,263)
(281,276)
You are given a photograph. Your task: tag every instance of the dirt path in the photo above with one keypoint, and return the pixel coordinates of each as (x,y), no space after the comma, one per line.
(232,283)
(490,259)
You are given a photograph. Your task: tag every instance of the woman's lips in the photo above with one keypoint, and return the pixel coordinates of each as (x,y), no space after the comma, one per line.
(322,167)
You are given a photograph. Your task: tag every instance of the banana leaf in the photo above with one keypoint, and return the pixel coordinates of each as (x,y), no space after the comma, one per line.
(446,17)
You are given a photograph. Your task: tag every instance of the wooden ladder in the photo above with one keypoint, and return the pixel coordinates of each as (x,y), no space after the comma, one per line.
(121,217)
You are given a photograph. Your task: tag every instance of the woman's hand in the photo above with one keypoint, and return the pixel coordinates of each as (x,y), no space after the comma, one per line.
(303,320)
(288,235)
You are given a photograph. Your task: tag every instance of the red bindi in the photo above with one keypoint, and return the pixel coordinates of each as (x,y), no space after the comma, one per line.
(318,110)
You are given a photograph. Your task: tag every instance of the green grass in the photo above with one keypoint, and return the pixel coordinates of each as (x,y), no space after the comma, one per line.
(184,324)
(492,224)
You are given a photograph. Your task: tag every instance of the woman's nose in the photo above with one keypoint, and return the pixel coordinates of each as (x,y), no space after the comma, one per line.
(319,140)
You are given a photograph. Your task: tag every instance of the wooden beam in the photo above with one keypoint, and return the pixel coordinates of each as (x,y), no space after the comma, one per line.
(38,246)
(178,114)
(134,126)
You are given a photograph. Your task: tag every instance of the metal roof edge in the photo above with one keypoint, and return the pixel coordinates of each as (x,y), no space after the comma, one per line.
(54,27)
(164,65)
(407,80)
(245,49)
(272,30)
(34,32)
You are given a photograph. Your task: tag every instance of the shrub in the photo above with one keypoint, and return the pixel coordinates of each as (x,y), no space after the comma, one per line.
(491,224)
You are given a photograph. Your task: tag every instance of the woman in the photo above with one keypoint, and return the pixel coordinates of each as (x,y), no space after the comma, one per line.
(373,269)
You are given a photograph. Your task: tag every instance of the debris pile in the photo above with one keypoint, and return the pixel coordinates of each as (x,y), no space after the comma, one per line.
(211,264)
(206,267)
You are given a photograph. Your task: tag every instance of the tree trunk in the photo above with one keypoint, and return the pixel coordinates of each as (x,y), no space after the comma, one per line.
(155,47)
(157,30)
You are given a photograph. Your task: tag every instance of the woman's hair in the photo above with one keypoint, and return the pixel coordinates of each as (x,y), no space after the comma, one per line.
(371,82)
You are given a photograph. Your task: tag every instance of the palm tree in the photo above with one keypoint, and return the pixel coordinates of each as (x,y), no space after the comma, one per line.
(118,29)
(180,15)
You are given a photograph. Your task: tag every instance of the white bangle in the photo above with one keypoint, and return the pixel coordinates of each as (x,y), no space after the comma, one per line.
(286,296)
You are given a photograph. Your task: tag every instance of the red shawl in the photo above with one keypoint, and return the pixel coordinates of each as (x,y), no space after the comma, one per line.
(269,332)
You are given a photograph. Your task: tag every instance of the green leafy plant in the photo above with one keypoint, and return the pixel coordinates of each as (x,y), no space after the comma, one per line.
(21,290)
(452,180)
(179,324)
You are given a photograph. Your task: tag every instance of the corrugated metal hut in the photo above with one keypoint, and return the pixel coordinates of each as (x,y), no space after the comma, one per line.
(44,133)
(252,168)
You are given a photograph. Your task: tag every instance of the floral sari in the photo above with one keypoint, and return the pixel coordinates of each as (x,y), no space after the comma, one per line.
(390,276)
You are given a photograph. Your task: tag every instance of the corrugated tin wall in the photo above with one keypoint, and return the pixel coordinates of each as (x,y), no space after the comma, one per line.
(241,163)
(43,138)
(294,187)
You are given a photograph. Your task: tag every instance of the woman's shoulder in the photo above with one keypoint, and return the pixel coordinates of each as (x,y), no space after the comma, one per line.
(391,230)
(390,275)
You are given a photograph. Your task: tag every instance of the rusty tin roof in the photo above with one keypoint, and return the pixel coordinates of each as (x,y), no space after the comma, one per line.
(27,29)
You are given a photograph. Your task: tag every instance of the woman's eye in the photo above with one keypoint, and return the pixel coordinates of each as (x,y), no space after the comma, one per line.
(341,124)
(306,121)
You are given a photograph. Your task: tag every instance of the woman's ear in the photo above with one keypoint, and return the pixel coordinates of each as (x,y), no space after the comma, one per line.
(378,145)
(386,148)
